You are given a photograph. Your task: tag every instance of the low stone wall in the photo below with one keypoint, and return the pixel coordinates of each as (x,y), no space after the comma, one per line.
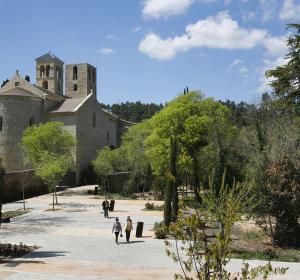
(14,181)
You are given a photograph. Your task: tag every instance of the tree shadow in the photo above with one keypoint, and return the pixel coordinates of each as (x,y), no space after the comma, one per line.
(15,263)
(132,242)
(45,254)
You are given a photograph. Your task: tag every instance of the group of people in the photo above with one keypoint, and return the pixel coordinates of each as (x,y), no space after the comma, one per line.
(117,227)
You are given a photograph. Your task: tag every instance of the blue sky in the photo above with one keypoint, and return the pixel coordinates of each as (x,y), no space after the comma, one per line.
(149,50)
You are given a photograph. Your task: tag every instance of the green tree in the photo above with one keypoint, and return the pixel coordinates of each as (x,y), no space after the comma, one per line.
(49,148)
(202,249)
(286,83)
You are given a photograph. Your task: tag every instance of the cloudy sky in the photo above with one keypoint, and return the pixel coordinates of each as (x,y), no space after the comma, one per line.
(149,50)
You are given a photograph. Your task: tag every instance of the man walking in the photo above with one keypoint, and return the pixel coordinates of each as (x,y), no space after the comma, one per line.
(105,206)
(128,228)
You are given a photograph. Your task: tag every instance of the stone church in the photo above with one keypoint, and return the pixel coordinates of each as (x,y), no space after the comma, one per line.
(23,104)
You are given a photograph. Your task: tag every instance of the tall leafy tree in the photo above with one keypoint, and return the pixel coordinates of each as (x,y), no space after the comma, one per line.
(49,149)
(286,83)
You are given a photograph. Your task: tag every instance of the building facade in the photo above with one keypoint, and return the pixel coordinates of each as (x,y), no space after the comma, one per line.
(23,104)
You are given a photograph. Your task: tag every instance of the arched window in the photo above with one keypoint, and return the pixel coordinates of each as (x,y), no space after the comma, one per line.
(74,72)
(57,72)
(31,121)
(75,87)
(1,123)
(94,75)
(94,119)
(47,70)
(89,73)
(45,84)
(42,71)
(58,85)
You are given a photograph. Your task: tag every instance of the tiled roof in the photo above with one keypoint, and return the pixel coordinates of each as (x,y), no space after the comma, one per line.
(68,106)
(48,57)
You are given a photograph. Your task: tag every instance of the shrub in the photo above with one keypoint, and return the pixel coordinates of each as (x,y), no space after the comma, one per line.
(160,230)
(151,207)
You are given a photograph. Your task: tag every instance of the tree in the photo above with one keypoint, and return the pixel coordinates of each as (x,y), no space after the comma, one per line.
(202,249)
(49,149)
(108,162)
(286,83)
(27,78)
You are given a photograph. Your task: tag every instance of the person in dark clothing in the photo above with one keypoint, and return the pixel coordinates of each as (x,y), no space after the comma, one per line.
(105,206)
(117,229)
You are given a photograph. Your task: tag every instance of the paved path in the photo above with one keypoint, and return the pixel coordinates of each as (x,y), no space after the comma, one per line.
(76,243)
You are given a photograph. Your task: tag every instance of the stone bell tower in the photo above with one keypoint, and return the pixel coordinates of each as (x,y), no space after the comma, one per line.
(81,80)
(50,73)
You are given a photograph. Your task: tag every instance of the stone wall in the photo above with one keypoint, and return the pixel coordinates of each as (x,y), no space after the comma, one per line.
(13,185)
(17,113)
(95,129)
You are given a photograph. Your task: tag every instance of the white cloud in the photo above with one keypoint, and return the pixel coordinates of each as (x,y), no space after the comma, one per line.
(277,49)
(290,10)
(136,29)
(219,32)
(111,37)
(268,9)
(248,16)
(243,70)
(106,51)
(165,8)
(234,64)
(276,46)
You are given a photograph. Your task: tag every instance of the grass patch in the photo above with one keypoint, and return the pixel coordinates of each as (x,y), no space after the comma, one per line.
(13,214)
(151,207)
(268,255)
(253,235)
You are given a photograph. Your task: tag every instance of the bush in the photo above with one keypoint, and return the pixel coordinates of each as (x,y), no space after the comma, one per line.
(160,230)
(151,207)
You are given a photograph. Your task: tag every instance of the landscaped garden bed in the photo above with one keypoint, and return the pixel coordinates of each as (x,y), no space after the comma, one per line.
(9,251)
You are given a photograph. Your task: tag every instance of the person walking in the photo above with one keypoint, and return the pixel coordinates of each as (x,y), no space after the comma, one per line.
(128,228)
(105,206)
(117,229)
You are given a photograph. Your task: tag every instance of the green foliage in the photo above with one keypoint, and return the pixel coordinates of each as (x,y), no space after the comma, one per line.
(202,235)
(151,207)
(286,78)
(48,148)
(134,111)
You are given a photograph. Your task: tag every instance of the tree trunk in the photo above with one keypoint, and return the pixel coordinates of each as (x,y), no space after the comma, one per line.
(52,199)
(55,195)
(23,191)
(196,180)
(173,168)
(168,205)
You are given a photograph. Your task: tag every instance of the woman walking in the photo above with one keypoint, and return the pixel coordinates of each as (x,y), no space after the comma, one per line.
(117,229)
(128,228)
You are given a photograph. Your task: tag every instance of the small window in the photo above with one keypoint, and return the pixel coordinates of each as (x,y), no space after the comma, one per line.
(94,75)
(47,70)
(107,135)
(45,85)
(17,84)
(89,73)
(94,119)
(75,73)
(42,71)
(75,87)
(31,122)
(1,123)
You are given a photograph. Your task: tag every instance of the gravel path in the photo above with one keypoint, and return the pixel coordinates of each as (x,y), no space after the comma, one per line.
(75,242)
